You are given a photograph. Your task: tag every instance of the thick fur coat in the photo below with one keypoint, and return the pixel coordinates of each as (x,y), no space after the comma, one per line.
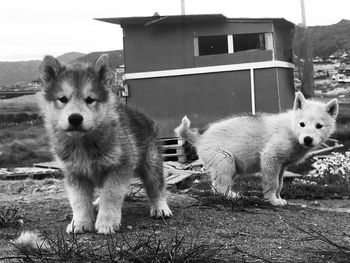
(265,142)
(99,143)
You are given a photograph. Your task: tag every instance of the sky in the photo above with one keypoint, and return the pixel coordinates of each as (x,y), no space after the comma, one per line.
(31,29)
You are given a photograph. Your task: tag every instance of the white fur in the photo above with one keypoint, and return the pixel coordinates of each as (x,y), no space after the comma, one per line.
(160,208)
(266,143)
(31,241)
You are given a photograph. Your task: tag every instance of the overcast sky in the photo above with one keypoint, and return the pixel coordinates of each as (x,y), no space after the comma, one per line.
(31,29)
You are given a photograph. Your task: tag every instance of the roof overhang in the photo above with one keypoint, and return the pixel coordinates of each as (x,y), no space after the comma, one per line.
(156,19)
(211,18)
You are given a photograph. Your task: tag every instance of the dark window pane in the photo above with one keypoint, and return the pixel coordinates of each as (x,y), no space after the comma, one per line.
(210,45)
(248,42)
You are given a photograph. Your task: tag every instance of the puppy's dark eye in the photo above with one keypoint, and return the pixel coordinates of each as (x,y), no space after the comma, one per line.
(63,99)
(89,100)
(319,126)
(302,124)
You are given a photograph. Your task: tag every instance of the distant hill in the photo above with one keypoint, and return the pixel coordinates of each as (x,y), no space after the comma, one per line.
(115,57)
(325,39)
(69,57)
(19,72)
(22,72)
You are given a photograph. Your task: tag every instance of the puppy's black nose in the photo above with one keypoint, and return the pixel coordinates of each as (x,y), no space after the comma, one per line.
(308,141)
(75,119)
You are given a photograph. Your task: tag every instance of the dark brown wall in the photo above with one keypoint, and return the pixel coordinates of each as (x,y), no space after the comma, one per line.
(266,91)
(283,43)
(158,47)
(203,98)
(285,87)
(234,58)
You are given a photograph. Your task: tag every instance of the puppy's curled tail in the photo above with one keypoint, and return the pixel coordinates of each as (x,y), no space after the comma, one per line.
(184,131)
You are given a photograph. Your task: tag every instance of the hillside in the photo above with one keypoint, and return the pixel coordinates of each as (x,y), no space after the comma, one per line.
(22,72)
(19,72)
(115,57)
(325,39)
(68,57)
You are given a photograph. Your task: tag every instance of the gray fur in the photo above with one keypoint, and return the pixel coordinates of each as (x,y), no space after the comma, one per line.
(112,145)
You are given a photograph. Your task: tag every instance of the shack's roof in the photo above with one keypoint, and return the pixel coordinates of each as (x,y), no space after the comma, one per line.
(157,19)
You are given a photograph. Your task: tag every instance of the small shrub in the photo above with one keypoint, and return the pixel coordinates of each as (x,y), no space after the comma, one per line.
(332,169)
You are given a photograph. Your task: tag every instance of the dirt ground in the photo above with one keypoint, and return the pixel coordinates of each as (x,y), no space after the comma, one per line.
(269,233)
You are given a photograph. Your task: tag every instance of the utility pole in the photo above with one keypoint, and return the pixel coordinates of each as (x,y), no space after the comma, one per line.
(182,7)
(307,82)
(303,16)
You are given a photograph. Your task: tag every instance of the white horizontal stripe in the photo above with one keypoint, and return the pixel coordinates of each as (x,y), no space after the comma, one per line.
(210,69)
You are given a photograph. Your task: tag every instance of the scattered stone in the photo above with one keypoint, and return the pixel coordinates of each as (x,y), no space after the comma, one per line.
(20,189)
(128,227)
(37,190)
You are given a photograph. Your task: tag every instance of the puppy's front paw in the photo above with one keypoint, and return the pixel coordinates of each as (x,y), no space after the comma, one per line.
(161,210)
(79,227)
(107,226)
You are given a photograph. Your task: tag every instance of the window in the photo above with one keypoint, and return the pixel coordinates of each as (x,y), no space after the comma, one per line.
(244,42)
(211,45)
(226,44)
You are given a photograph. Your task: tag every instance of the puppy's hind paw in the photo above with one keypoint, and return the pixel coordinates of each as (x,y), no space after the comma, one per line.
(276,201)
(283,201)
(161,211)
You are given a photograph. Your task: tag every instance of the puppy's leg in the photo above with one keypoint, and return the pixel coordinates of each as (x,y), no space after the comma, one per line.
(221,167)
(271,168)
(151,174)
(80,192)
(111,200)
(280,186)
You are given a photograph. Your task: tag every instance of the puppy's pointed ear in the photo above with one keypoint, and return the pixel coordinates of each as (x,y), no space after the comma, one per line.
(49,69)
(332,108)
(104,72)
(299,101)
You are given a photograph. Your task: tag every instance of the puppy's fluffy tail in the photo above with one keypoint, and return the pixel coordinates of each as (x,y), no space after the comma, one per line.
(184,131)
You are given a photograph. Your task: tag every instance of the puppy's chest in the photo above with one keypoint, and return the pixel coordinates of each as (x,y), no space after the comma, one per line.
(83,162)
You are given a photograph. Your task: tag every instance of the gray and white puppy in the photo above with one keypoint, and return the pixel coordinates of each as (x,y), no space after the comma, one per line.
(99,144)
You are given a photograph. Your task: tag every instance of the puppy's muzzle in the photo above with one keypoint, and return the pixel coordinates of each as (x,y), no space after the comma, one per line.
(75,120)
(308,141)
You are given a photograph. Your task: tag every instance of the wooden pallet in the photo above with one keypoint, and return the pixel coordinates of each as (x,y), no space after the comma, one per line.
(173,149)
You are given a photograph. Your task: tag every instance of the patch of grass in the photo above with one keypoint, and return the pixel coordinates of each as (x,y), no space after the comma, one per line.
(20,104)
(22,145)
(143,247)
(339,251)
(244,200)
(10,216)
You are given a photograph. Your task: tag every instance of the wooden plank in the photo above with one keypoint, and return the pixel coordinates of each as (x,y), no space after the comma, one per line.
(50,165)
(22,173)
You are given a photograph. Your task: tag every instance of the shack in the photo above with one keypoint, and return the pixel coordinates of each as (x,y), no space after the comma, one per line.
(206,66)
